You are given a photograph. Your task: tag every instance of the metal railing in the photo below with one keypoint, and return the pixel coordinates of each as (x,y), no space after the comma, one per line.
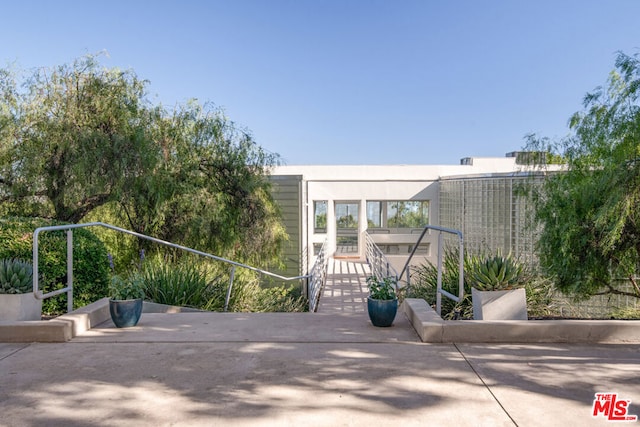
(317,278)
(69,288)
(440,291)
(378,262)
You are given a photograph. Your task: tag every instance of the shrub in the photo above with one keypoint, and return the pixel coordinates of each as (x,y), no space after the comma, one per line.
(629,313)
(184,284)
(204,285)
(280,299)
(90,266)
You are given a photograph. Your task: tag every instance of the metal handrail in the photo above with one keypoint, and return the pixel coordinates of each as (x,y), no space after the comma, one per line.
(69,288)
(380,265)
(440,291)
(317,277)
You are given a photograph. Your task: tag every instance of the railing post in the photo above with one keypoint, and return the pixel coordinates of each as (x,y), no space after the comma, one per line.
(461,271)
(36,274)
(226,301)
(70,270)
(439,286)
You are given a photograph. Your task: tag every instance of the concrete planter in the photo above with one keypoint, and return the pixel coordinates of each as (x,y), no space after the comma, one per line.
(499,305)
(18,307)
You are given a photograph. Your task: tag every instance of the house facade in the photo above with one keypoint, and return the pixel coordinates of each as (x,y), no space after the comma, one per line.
(338,205)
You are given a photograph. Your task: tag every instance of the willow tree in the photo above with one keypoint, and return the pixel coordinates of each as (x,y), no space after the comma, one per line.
(80,139)
(589,216)
(71,138)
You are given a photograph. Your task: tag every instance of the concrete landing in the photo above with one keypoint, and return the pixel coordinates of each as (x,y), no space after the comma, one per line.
(254,327)
(253,370)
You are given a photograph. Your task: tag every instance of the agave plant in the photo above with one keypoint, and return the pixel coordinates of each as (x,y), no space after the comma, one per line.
(496,273)
(16,276)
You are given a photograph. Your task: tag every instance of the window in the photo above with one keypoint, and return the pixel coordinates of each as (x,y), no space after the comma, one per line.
(398,214)
(374,214)
(320,216)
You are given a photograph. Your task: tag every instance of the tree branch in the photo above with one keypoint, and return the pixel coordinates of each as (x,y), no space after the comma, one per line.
(613,291)
(87,205)
(635,285)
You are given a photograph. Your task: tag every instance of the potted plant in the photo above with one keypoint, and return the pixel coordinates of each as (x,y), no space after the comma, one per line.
(382,302)
(498,289)
(125,302)
(17,301)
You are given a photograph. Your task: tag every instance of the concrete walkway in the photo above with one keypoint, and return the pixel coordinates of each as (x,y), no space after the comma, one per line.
(317,369)
(346,288)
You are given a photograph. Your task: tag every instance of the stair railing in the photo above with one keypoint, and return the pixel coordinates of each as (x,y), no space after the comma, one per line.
(440,291)
(68,289)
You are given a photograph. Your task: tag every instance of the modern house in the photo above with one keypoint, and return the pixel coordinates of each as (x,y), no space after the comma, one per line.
(340,205)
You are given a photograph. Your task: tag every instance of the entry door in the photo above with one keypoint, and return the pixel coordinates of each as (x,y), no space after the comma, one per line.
(347,214)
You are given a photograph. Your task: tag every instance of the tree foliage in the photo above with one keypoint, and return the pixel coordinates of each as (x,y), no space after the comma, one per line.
(83,141)
(590,234)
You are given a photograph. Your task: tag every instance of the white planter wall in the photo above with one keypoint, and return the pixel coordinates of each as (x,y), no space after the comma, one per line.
(20,307)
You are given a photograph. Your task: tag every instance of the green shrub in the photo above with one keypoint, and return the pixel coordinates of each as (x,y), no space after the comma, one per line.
(90,266)
(629,313)
(184,284)
(204,285)
(280,299)
(16,276)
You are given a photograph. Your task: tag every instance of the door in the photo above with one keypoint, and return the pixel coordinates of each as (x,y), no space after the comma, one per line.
(347,214)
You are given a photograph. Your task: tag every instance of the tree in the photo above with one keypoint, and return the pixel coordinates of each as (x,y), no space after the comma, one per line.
(71,139)
(589,216)
(83,140)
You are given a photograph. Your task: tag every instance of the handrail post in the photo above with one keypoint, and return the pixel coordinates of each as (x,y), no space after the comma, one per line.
(35,265)
(461,270)
(70,270)
(439,280)
(226,301)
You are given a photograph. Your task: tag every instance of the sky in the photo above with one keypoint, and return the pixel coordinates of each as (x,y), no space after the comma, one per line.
(349,81)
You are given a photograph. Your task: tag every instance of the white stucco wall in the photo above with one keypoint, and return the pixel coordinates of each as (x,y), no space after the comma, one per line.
(361,183)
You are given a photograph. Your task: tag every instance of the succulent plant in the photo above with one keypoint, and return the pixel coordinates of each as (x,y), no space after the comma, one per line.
(497,273)
(16,276)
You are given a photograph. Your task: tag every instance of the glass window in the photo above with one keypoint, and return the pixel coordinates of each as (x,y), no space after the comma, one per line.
(398,214)
(407,214)
(320,216)
(347,215)
(374,214)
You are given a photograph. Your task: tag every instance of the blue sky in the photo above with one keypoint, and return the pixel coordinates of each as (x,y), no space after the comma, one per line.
(346,81)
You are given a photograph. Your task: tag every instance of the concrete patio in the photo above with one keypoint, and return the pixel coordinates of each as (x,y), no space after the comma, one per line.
(321,369)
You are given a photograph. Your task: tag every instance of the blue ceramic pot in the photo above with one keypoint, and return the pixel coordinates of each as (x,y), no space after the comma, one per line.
(382,312)
(125,313)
